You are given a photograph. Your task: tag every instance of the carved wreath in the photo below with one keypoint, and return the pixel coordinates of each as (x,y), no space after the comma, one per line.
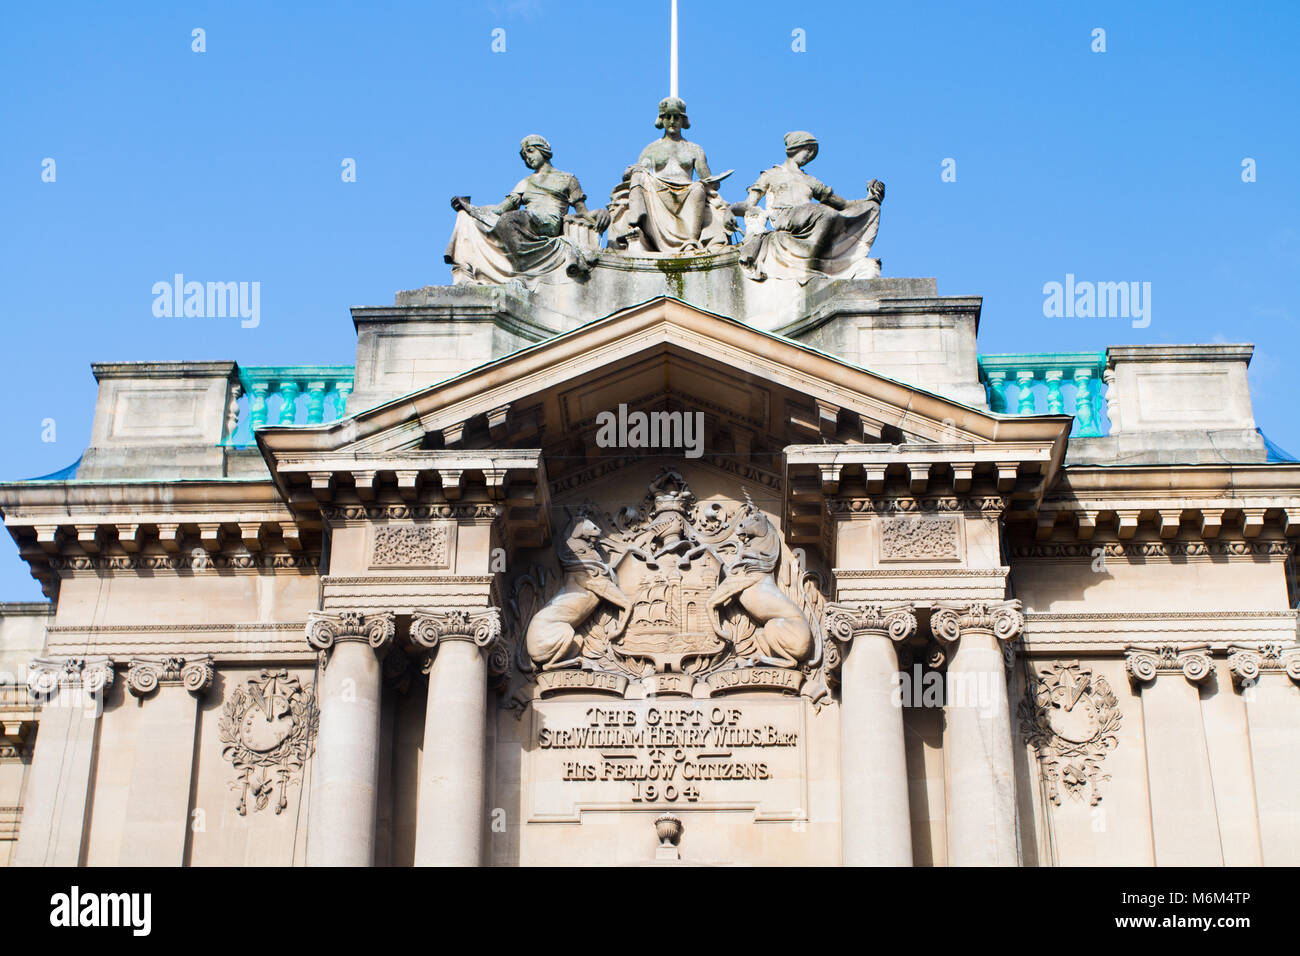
(1071,718)
(268,727)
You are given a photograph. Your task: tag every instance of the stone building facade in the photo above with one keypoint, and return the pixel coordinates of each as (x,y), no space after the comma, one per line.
(663,565)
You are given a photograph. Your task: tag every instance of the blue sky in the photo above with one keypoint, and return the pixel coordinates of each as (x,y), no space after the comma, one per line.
(225,165)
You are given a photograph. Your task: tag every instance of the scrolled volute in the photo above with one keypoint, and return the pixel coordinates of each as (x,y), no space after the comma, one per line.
(145,674)
(45,675)
(325,630)
(950,620)
(481,627)
(844,621)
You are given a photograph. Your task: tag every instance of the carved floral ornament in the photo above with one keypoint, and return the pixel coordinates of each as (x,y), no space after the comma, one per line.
(1071,719)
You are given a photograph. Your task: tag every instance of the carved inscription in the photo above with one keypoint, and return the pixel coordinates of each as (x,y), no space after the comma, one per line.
(628,755)
(423,546)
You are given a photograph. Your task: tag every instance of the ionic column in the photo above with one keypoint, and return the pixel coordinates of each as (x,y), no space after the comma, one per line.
(449,824)
(982,798)
(158,798)
(71,693)
(875,820)
(345,775)
(1184,817)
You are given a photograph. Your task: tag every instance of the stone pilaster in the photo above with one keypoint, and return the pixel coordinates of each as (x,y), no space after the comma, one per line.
(450,822)
(71,693)
(982,799)
(1264,674)
(158,796)
(875,820)
(345,779)
(1184,819)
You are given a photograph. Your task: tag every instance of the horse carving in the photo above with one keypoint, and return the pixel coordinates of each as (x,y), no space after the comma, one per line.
(552,638)
(783,636)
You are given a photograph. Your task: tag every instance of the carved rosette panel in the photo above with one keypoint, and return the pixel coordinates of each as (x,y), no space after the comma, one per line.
(268,730)
(920,538)
(1071,718)
(325,630)
(1247,662)
(411,546)
(1145,662)
(46,675)
(145,674)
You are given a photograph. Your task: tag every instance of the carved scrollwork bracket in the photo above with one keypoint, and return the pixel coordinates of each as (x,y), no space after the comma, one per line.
(1145,662)
(145,674)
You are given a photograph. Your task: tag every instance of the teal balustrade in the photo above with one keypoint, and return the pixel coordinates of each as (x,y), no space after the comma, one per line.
(286,395)
(1051,383)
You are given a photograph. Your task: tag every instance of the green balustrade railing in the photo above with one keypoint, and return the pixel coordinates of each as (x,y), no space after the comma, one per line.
(1051,383)
(286,395)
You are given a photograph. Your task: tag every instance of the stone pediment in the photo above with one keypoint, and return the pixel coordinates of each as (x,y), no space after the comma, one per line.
(662,354)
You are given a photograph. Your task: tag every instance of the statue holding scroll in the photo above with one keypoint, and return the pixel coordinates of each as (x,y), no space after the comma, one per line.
(660,206)
(530,233)
(813,231)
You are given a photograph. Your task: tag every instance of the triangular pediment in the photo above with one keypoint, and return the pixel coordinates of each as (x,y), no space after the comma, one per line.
(663,354)
(762,404)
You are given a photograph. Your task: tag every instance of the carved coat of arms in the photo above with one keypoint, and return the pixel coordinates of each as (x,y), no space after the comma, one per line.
(670,586)
(268,728)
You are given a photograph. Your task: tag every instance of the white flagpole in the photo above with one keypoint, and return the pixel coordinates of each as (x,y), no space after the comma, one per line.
(672,55)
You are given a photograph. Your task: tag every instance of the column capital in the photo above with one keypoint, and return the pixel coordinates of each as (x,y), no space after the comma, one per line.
(480,626)
(843,622)
(1145,662)
(949,620)
(45,675)
(325,630)
(145,674)
(1247,661)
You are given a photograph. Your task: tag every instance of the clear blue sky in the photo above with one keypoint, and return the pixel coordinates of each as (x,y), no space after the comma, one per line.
(1123,165)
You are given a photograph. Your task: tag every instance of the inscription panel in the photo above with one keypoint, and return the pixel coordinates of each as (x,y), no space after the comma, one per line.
(714,754)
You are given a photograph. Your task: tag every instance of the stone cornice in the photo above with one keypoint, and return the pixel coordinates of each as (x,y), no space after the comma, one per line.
(145,674)
(1145,662)
(1089,550)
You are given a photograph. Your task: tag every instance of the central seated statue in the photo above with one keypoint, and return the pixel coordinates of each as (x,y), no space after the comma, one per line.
(660,207)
